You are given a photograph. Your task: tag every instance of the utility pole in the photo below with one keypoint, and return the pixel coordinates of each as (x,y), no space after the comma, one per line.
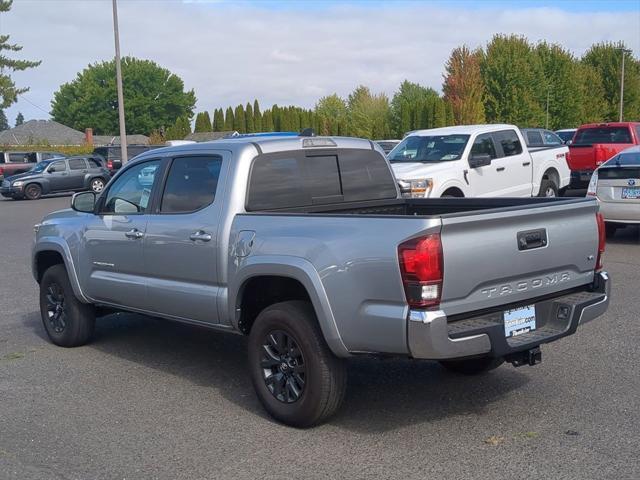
(547,122)
(623,51)
(123,130)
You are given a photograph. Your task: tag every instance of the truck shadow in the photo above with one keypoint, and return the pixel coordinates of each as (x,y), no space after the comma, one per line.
(628,235)
(382,395)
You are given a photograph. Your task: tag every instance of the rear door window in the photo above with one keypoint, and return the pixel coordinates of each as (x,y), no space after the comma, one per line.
(93,163)
(77,164)
(191,184)
(509,142)
(534,138)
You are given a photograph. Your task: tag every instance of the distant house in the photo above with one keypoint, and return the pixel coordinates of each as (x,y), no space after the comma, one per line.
(50,132)
(207,136)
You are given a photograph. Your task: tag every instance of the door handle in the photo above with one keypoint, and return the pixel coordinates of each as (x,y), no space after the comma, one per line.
(134,233)
(500,169)
(526,164)
(200,235)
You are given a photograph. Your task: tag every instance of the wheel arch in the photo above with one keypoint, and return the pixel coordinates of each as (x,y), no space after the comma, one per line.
(51,252)
(283,278)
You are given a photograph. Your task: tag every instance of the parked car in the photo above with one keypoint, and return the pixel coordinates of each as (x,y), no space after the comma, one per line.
(566,134)
(112,154)
(477,161)
(71,174)
(539,137)
(12,163)
(595,143)
(616,184)
(303,244)
(387,145)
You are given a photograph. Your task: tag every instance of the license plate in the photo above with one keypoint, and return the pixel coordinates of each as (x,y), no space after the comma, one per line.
(631,193)
(519,320)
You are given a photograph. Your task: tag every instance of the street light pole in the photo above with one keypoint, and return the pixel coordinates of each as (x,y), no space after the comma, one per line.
(123,130)
(624,51)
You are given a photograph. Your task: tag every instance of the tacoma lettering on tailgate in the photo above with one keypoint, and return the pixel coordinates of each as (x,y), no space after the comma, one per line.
(523,286)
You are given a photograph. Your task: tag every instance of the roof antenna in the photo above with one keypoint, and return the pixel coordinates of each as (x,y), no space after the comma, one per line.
(308,132)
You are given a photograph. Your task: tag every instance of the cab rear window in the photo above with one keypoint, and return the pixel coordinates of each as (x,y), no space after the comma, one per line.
(589,136)
(299,179)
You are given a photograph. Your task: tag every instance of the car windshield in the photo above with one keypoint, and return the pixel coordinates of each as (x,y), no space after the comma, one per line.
(432,148)
(40,167)
(624,160)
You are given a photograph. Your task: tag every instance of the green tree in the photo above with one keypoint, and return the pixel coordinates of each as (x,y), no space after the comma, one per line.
(514,82)
(203,122)
(606,59)
(239,124)
(19,119)
(153,97)
(406,106)
(218,120)
(249,120)
(8,90)
(180,129)
(592,106)
(369,115)
(276,116)
(332,111)
(463,87)
(229,121)
(257,116)
(267,121)
(4,124)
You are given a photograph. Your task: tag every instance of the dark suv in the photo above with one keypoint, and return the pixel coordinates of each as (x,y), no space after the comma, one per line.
(71,174)
(113,156)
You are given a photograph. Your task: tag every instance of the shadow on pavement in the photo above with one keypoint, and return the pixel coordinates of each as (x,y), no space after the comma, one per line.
(627,235)
(382,394)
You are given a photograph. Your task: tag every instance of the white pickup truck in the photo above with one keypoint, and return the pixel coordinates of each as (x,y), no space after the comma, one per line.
(477,161)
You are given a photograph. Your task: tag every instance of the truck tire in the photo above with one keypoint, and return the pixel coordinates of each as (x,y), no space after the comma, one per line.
(97,184)
(474,366)
(297,378)
(67,321)
(33,191)
(548,188)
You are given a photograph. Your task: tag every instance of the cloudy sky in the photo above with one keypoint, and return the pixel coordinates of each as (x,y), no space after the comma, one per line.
(291,52)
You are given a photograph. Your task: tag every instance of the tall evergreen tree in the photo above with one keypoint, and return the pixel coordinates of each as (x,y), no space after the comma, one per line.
(332,111)
(276,118)
(239,123)
(409,98)
(218,120)
(179,130)
(19,119)
(229,121)
(257,116)
(249,121)
(463,87)
(203,122)
(8,90)
(267,121)
(4,124)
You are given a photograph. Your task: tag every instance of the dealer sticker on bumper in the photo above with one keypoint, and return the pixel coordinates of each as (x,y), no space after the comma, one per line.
(519,321)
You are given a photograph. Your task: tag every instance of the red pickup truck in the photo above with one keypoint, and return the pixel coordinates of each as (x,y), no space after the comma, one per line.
(595,143)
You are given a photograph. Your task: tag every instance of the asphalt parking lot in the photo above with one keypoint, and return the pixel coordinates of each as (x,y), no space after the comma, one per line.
(154,399)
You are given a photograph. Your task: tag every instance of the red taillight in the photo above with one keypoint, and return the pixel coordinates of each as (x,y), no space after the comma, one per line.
(1,171)
(421,266)
(110,164)
(602,240)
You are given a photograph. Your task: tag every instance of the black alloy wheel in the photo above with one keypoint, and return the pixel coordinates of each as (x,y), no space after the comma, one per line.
(283,366)
(56,314)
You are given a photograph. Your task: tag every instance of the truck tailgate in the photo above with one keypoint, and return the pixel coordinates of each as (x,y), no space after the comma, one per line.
(506,256)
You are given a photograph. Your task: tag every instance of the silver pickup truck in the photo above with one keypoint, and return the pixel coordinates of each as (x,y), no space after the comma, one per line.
(305,245)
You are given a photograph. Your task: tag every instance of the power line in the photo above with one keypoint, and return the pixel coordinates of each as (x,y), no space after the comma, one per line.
(22,97)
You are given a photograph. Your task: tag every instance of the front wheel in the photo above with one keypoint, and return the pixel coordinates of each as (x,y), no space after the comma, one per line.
(297,378)
(474,366)
(67,321)
(97,185)
(33,191)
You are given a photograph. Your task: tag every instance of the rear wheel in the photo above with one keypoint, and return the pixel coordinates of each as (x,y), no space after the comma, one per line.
(297,378)
(473,366)
(548,188)
(97,185)
(67,321)
(33,191)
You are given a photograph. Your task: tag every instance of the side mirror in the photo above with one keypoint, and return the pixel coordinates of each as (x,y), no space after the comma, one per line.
(84,202)
(479,160)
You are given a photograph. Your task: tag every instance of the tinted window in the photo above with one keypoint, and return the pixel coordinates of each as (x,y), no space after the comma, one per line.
(77,164)
(131,191)
(18,158)
(93,163)
(432,148)
(638,132)
(631,159)
(297,180)
(59,166)
(588,136)
(483,144)
(509,142)
(191,184)
(551,138)
(534,138)
(566,136)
